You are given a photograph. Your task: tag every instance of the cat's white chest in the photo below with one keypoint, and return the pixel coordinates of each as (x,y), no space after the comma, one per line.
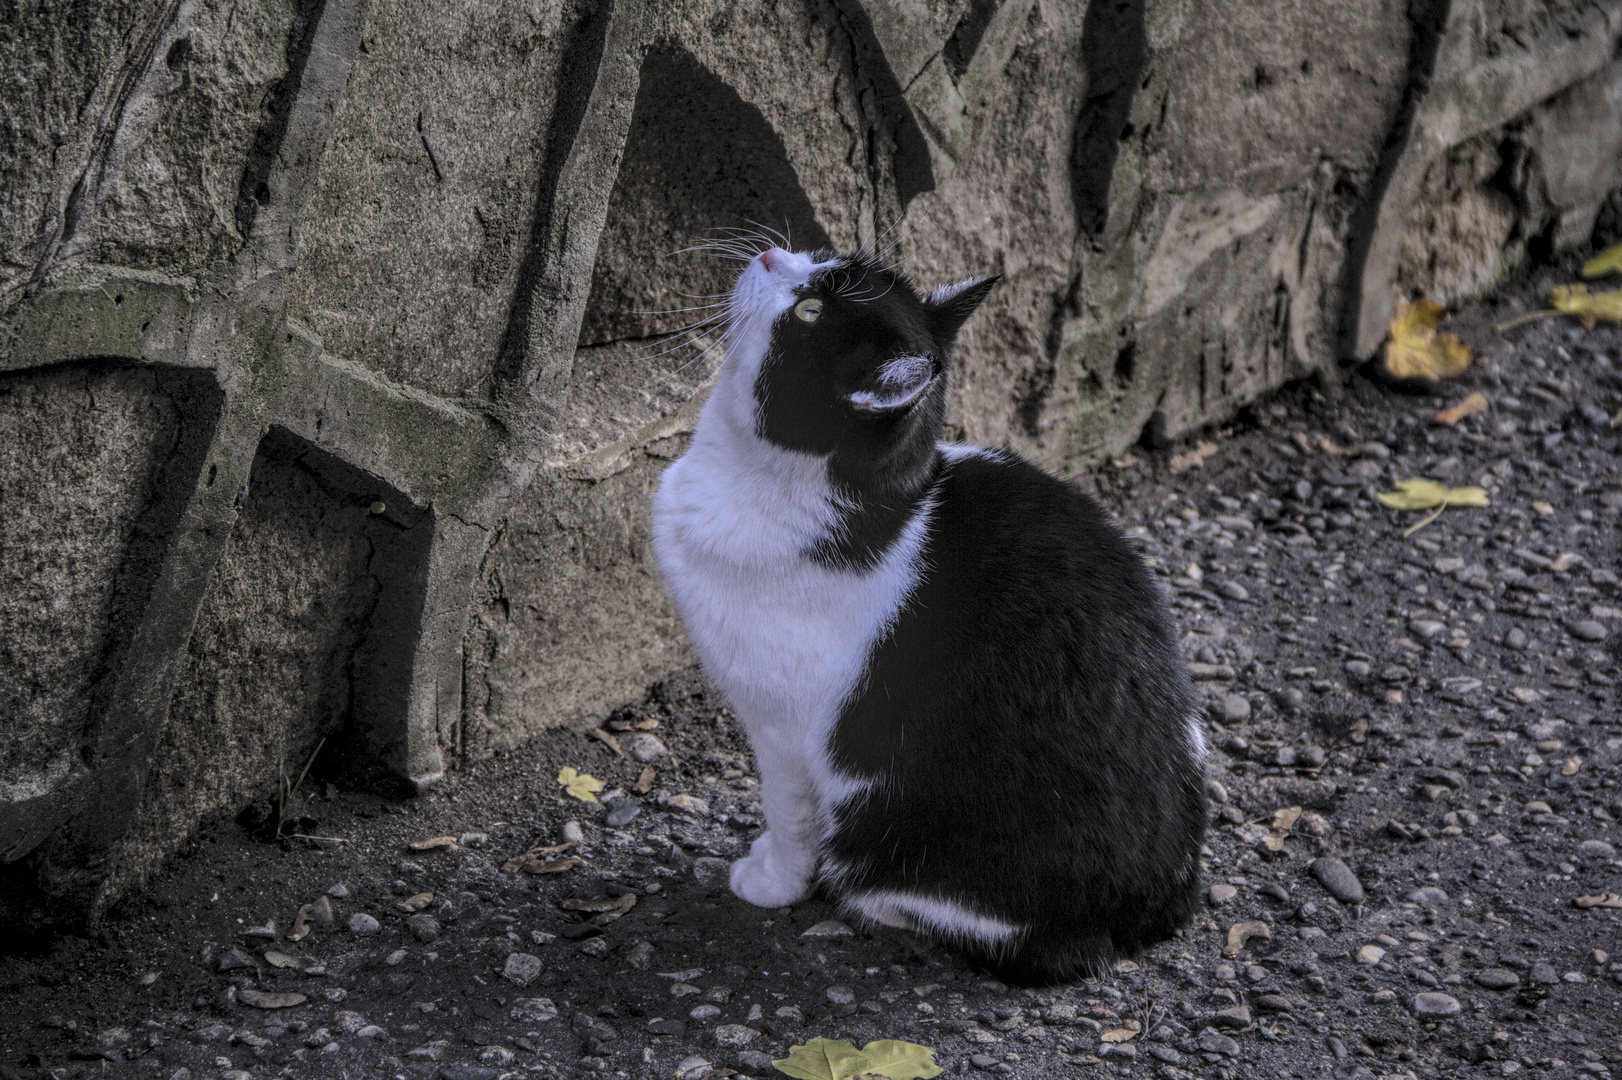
(785,637)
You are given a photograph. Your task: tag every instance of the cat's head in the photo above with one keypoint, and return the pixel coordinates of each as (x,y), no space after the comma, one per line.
(840,351)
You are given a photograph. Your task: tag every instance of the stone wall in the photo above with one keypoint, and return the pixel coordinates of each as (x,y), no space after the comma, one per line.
(342,342)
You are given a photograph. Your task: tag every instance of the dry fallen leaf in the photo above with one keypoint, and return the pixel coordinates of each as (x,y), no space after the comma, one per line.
(582,786)
(1241,933)
(534,853)
(282,960)
(836,1059)
(301,923)
(605,910)
(434,843)
(607,740)
(1608,900)
(1608,261)
(1119,1035)
(1588,307)
(1192,459)
(554,866)
(1417,350)
(1283,821)
(416,903)
(644,780)
(1475,403)
(1429,495)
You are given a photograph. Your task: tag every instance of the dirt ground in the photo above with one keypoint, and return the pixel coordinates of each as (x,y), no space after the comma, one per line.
(1441,708)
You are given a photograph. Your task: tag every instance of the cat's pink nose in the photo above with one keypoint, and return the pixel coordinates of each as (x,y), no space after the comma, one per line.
(771,258)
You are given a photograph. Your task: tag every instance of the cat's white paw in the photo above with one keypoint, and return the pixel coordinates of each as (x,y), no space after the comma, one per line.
(771,877)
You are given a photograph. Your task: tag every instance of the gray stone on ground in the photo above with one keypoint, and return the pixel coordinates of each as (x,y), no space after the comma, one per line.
(711,872)
(1338,879)
(425,928)
(521,968)
(1497,978)
(362,923)
(1436,1004)
(1589,630)
(644,748)
(1428,894)
(1233,709)
(533,1010)
(1543,974)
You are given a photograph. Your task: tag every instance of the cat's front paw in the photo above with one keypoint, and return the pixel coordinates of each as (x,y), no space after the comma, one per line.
(771,877)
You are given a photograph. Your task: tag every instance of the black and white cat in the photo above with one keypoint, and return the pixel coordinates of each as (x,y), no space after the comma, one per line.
(961,686)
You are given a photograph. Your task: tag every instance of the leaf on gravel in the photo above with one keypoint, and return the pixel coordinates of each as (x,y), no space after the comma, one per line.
(301,923)
(1475,403)
(582,786)
(552,866)
(1428,494)
(261,999)
(605,910)
(1119,1035)
(1608,900)
(434,843)
(608,740)
(1417,350)
(1588,307)
(282,960)
(1283,821)
(644,781)
(1608,261)
(1239,934)
(1192,459)
(416,903)
(836,1059)
(517,861)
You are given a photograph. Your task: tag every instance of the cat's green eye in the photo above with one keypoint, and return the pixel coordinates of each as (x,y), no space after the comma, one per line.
(808,310)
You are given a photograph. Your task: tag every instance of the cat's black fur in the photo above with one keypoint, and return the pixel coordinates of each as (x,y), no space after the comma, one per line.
(1025,718)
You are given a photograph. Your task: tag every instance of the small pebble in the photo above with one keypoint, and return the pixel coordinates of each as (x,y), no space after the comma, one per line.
(1336,877)
(362,923)
(521,968)
(623,812)
(1233,709)
(425,928)
(644,748)
(829,928)
(1589,630)
(1497,978)
(1436,1004)
(1222,893)
(734,1036)
(339,891)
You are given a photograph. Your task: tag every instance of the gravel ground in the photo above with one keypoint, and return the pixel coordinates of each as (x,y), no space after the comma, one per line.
(1436,717)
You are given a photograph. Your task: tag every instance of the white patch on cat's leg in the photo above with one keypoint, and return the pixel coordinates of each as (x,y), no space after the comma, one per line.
(932,914)
(781,862)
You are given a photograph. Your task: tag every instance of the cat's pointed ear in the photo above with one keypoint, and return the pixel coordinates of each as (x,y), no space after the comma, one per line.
(951,305)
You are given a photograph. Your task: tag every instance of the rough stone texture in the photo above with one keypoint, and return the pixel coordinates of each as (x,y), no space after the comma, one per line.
(425,254)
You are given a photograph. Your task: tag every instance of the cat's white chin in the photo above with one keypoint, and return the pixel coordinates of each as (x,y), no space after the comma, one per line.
(771,877)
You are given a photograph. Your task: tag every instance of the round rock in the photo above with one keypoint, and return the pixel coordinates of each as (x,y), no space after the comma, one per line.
(643,747)
(734,1036)
(1222,893)
(1596,849)
(1437,1004)
(1497,978)
(1233,709)
(521,968)
(622,812)
(362,923)
(425,928)
(1336,877)
(534,1010)
(1589,630)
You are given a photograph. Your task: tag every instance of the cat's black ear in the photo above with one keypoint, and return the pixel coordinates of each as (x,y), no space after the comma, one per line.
(895,386)
(951,305)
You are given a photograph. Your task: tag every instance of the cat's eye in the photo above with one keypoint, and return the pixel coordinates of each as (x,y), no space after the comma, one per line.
(808,310)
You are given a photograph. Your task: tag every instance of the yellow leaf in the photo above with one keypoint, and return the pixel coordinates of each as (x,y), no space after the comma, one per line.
(582,786)
(1119,1035)
(1608,261)
(1475,403)
(1417,350)
(1586,306)
(1428,494)
(836,1059)
(1283,821)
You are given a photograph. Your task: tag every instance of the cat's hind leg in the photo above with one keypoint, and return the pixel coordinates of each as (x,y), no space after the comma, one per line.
(782,862)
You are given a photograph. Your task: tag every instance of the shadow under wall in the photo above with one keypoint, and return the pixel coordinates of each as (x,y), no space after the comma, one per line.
(698,159)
